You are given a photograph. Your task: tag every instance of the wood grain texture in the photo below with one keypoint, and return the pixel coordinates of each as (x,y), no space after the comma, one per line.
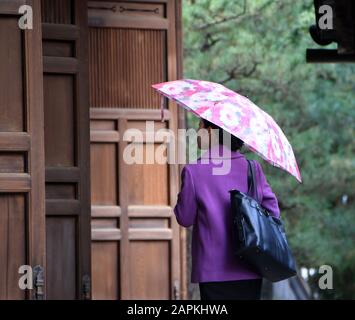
(105,270)
(11,76)
(59,120)
(57,11)
(149,273)
(122,75)
(104,174)
(148,182)
(58,48)
(12,162)
(61,258)
(125,14)
(181,125)
(12,248)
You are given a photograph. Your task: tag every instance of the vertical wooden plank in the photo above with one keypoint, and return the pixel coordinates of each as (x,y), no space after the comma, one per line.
(106,211)
(83,146)
(34,89)
(181,124)
(173,168)
(123,182)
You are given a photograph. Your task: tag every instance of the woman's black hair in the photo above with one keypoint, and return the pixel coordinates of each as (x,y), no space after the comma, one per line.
(236,143)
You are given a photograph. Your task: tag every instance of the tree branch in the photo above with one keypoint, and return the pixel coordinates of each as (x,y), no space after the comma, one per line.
(225,19)
(238,17)
(238,72)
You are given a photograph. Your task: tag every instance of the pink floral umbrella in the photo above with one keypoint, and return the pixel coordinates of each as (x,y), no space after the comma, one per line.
(237,115)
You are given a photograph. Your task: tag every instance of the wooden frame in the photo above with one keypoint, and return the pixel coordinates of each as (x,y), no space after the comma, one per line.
(182,125)
(76,175)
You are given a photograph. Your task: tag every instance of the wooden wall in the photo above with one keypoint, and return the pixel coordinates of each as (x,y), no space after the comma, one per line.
(67,74)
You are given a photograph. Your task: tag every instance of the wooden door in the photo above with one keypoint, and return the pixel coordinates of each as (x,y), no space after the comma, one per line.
(135,237)
(66,124)
(22,221)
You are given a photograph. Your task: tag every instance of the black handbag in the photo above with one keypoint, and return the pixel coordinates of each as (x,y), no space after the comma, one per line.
(258,237)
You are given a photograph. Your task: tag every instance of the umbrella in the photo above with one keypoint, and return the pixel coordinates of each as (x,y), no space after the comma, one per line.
(237,115)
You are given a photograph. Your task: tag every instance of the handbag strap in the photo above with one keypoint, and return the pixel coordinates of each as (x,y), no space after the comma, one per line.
(252,191)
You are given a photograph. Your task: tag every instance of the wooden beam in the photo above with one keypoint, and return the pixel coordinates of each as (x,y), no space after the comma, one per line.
(60,65)
(105,211)
(328,56)
(15,182)
(52,31)
(59,207)
(150,234)
(14,141)
(11,6)
(109,234)
(62,174)
(128,113)
(149,211)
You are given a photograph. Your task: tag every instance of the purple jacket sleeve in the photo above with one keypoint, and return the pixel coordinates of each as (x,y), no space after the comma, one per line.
(269,200)
(186,206)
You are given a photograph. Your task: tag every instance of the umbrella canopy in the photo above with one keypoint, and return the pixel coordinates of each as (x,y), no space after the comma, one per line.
(237,115)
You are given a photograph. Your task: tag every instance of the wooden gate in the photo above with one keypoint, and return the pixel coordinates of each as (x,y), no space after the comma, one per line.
(135,237)
(66,124)
(22,223)
(45,174)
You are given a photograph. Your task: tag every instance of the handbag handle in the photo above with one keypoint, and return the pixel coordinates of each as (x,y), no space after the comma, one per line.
(252,191)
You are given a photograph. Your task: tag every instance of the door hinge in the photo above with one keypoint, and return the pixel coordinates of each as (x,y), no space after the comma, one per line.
(86,287)
(176,290)
(38,282)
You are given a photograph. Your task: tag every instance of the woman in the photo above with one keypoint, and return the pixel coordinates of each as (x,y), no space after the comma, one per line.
(204,203)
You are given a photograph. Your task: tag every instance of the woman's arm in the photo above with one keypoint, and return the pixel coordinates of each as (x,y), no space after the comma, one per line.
(186,207)
(269,200)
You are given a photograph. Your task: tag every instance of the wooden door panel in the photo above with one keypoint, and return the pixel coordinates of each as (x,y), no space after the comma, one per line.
(22,227)
(11,93)
(59,120)
(106,210)
(105,270)
(104,173)
(14,162)
(12,249)
(61,244)
(132,204)
(67,153)
(58,11)
(114,84)
(150,272)
(148,184)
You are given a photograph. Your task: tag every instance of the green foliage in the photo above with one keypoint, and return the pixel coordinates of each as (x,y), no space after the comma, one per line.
(260,52)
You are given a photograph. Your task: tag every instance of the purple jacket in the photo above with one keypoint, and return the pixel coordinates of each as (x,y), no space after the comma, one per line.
(204,203)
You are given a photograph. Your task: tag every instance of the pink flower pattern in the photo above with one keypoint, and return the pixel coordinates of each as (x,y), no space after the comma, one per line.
(237,115)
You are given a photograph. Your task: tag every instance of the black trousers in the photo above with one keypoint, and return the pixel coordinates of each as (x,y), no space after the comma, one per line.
(231,290)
